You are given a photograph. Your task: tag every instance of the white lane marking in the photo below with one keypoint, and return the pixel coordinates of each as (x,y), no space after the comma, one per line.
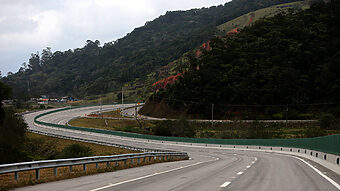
(249,166)
(321,174)
(108,186)
(192,146)
(150,175)
(225,184)
(239,173)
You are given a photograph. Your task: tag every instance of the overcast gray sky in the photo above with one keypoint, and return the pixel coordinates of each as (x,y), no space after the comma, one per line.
(28,26)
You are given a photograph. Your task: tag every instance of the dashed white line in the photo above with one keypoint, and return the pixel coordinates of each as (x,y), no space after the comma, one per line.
(150,175)
(248,166)
(225,184)
(239,173)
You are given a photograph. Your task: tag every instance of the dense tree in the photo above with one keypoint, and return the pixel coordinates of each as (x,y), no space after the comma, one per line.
(287,59)
(12,137)
(46,55)
(12,131)
(5,93)
(34,62)
(93,69)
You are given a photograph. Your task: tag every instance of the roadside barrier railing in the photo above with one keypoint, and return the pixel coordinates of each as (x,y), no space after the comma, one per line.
(98,142)
(38,165)
(328,144)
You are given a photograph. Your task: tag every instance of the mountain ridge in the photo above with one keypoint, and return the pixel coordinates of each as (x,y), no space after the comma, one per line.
(286,60)
(93,69)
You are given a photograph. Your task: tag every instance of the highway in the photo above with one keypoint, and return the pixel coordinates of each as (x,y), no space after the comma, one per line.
(210,167)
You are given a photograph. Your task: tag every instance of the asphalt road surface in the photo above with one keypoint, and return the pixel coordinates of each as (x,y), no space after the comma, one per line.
(210,167)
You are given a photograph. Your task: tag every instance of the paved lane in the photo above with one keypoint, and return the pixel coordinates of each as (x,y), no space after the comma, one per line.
(211,168)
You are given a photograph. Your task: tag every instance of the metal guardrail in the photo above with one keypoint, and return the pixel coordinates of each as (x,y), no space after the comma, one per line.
(328,144)
(99,142)
(37,165)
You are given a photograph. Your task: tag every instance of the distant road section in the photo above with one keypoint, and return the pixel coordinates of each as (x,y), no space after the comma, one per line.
(210,167)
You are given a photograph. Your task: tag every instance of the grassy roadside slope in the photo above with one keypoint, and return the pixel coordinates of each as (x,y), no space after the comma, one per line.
(251,17)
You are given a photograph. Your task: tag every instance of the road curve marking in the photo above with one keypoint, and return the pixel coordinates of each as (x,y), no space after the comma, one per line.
(320,173)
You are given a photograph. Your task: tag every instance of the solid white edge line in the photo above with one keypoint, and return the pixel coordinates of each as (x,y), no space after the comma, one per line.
(193,146)
(225,184)
(150,175)
(320,173)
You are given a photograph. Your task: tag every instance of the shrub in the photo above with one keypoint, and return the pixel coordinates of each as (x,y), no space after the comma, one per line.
(177,128)
(326,121)
(76,150)
(12,137)
(314,132)
(164,128)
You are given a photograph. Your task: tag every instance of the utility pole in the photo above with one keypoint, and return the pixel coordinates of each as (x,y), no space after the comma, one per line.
(136,111)
(287,116)
(100,101)
(122,96)
(212,115)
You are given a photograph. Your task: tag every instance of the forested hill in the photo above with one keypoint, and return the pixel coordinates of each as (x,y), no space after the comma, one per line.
(95,69)
(285,60)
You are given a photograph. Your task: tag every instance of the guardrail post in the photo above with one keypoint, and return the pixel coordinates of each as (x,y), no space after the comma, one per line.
(125,161)
(132,161)
(16,176)
(55,171)
(138,160)
(144,159)
(84,167)
(150,159)
(70,167)
(96,165)
(37,174)
(116,163)
(107,164)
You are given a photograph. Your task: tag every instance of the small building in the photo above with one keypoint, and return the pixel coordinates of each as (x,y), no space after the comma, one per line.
(68,98)
(42,101)
(7,102)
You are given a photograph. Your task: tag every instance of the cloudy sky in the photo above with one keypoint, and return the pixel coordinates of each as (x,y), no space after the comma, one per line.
(28,26)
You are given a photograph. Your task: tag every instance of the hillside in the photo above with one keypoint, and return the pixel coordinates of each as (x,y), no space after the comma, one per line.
(95,69)
(168,73)
(289,60)
(249,18)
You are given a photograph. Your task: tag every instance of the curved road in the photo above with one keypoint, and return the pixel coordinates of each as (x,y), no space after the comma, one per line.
(210,167)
